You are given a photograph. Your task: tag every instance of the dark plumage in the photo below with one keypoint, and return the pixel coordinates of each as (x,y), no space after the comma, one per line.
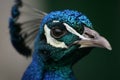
(60,38)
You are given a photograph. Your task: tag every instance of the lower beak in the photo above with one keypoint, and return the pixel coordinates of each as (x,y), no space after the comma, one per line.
(93,39)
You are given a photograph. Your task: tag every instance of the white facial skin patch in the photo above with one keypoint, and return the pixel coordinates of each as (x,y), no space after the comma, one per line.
(51,40)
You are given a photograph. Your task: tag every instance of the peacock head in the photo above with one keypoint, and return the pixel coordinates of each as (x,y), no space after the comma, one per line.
(66,36)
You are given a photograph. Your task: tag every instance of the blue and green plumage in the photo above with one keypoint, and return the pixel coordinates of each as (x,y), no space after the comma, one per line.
(71,17)
(57,41)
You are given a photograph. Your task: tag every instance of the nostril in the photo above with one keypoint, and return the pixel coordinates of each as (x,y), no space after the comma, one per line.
(90,36)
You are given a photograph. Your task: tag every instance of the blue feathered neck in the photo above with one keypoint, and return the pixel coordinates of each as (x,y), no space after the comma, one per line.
(39,70)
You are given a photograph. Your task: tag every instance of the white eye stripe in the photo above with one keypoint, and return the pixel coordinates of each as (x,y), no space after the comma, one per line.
(51,40)
(73,31)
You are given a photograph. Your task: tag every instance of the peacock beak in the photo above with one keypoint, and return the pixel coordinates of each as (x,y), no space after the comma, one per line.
(93,39)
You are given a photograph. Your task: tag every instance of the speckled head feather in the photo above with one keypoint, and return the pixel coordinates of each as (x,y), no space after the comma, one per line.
(71,17)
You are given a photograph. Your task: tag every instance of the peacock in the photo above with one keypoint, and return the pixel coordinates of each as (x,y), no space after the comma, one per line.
(55,40)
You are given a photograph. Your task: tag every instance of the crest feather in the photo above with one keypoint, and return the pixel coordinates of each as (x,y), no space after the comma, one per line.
(23,34)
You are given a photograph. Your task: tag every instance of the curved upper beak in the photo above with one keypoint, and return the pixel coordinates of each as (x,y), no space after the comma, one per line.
(93,39)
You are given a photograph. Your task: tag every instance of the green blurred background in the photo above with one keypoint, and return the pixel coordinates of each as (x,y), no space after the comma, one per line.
(101,64)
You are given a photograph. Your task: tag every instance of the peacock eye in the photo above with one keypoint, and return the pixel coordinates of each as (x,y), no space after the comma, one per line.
(57,32)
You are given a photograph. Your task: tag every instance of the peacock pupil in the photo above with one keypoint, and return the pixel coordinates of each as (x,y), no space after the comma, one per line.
(57,32)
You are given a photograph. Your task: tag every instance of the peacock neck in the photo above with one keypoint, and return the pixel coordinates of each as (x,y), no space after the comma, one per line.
(58,73)
(40,69)
(36,69)
(56,70)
